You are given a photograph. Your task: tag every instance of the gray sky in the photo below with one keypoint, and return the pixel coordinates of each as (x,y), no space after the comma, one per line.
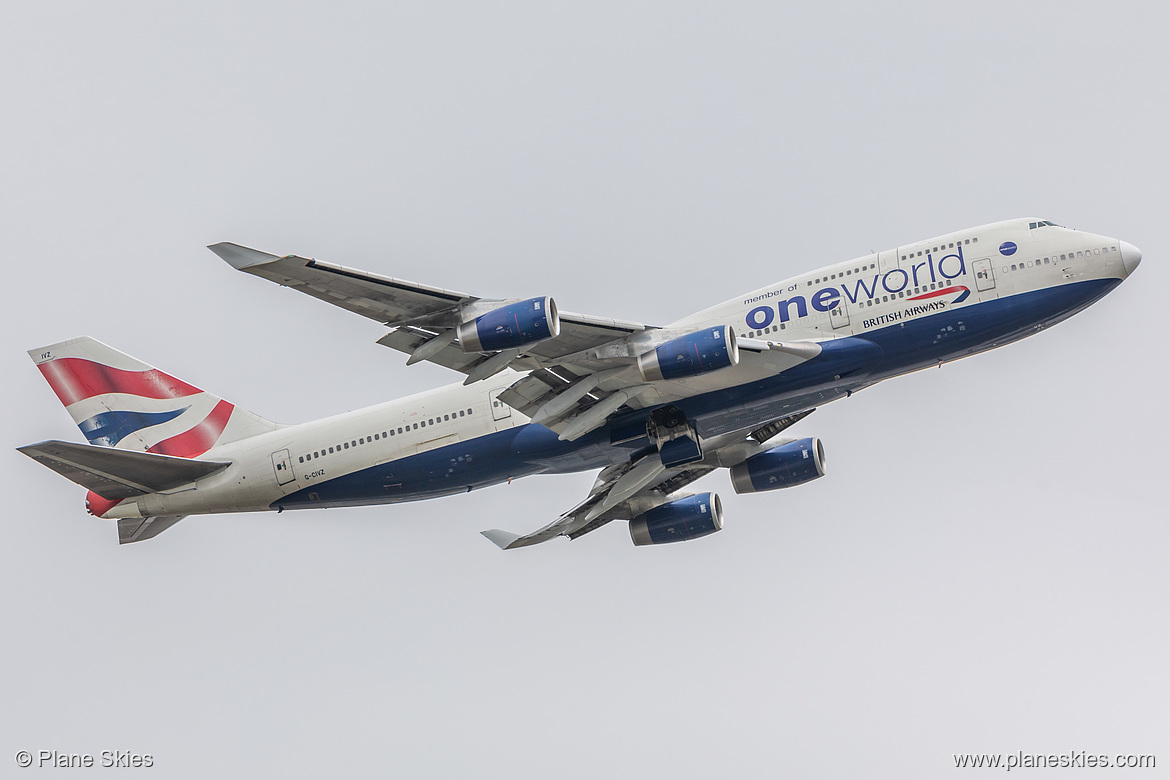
(983,569)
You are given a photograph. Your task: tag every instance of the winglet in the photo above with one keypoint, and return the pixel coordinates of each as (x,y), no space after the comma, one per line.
(502,539)
(241,257)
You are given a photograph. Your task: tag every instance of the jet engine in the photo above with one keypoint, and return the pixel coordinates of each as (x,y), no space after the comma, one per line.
(508,327)
(789,464)
(690,355)
(679,520)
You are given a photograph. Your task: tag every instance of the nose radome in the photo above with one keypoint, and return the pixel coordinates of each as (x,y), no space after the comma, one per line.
(1130,257)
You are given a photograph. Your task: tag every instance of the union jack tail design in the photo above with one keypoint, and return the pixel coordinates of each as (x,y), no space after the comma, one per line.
(119,401)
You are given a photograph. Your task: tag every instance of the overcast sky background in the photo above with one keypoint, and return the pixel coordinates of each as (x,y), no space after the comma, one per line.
(984,569)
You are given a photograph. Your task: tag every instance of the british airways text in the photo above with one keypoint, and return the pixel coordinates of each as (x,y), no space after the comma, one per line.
(910,313)
(891,282)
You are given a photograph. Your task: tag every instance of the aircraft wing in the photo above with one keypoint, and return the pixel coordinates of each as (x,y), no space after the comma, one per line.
(576,379)
(601,507)
(625,490)
(418,313)
(389,301)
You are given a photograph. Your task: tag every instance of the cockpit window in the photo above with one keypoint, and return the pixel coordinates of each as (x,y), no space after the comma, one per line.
(1043,223)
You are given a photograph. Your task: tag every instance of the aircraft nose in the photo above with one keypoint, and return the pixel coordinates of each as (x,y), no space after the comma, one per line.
(1130,257)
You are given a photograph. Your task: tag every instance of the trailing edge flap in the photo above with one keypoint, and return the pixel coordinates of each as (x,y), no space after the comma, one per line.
(593,512)
(116,474)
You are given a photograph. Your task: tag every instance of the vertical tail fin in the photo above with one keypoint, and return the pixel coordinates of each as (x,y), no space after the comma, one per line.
(119,401)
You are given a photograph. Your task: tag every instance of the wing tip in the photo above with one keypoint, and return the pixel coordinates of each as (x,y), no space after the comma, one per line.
(240,257)
(501,539)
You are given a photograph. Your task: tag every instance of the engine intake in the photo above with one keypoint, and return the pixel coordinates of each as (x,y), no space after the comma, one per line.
(678,521)
(785,466)
(508,327)
(690,355)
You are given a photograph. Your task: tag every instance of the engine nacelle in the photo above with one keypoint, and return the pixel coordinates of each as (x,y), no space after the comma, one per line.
(511,326)
(785,466)
(686,518)
(690,355)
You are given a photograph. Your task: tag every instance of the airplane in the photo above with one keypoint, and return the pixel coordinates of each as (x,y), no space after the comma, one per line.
(546,391)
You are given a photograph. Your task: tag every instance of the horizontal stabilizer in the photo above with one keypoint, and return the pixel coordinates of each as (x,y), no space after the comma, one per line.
(116,474)
(137,529)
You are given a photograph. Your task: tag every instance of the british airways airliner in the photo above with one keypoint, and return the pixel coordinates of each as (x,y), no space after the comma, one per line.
(545,391)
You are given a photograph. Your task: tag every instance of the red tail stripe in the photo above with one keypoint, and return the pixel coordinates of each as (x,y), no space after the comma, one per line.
(201,438)
(75,379)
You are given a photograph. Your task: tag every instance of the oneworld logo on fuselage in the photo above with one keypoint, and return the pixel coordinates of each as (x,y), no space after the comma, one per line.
(862,288)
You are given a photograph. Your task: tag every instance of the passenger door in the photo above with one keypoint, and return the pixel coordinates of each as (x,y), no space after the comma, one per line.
(283,467)
(839,316)
(984,274)
(500,410)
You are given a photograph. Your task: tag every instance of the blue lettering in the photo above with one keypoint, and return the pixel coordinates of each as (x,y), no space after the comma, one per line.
(760,317)
(859,288)
(886,280)
(826,299)
(957,256)
(916,267)
(784,306)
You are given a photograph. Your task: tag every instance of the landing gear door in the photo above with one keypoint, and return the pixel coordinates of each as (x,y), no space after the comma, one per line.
(839,315)
(500,410)
(282,465)
(984,274)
